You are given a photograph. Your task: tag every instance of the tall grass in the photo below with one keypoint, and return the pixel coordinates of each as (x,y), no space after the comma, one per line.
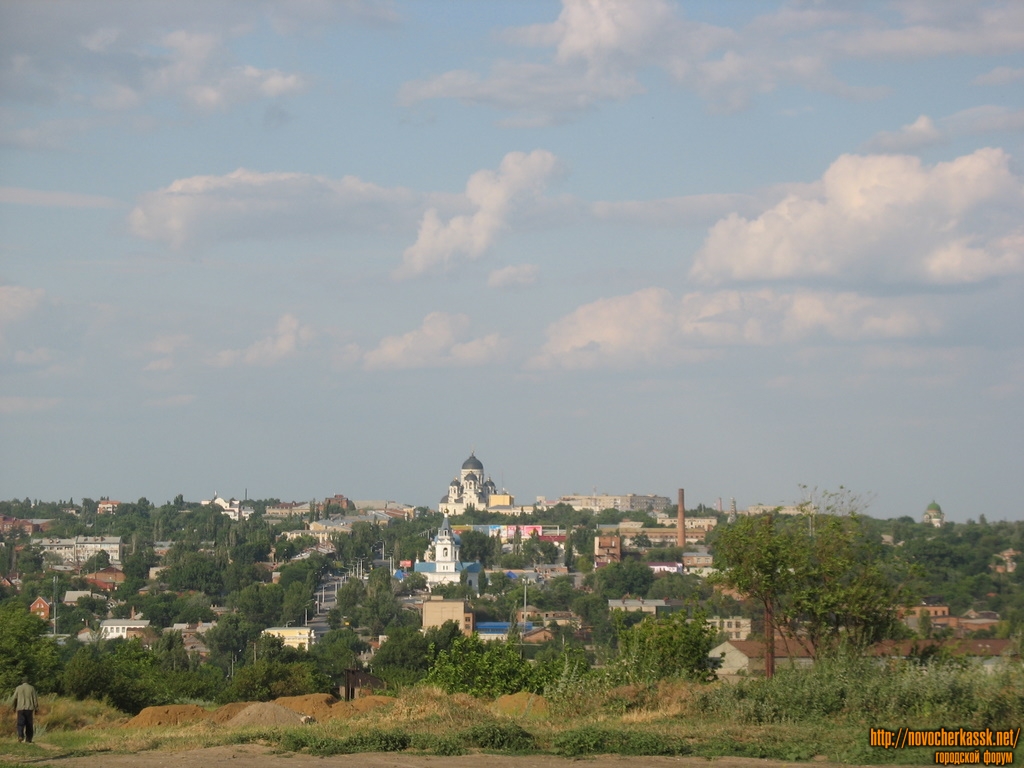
(864,691)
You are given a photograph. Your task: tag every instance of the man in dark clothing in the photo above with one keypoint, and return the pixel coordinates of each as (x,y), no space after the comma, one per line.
(25,703)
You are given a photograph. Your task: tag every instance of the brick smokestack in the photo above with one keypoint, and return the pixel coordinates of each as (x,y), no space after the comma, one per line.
(681,522)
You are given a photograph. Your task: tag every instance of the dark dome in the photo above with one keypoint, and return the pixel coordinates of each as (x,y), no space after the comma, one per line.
(472,463)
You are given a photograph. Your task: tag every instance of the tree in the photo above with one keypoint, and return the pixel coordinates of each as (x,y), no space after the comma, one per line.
(755,560)
(820,580)
(661,648)
(25,650)
(482,669)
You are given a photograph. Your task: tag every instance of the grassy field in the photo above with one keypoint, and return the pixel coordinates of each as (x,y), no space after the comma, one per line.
(798,716)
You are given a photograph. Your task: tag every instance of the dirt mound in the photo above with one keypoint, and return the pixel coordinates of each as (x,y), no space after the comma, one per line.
(174,714)
(338,711)
(228,711)
(316,705)
(265,713)
(522,703)
(366,703)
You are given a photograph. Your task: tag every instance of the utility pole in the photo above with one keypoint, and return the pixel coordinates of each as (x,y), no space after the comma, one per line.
(55,601)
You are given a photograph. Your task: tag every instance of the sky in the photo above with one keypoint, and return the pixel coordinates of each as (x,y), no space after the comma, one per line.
(292,249)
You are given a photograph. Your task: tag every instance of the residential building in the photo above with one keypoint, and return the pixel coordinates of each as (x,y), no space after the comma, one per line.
(735,627)
(122,629)
(107,507)
(747,656)
(607,549)
(232,507)
(293,637)
(72,596)
(543,618)
(438,610)
(630,502)
(652,607)
(79,549)
(41,608)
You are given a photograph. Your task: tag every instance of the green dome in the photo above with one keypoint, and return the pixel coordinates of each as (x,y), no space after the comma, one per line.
(933,507)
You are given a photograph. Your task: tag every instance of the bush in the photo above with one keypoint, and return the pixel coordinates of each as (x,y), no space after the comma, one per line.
(507,737)
(860,690)
(592,740)
(323,746)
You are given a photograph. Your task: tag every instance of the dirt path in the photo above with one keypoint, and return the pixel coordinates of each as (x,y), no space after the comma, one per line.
(253,756)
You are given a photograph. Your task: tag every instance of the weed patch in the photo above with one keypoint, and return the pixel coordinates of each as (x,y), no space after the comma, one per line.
(504,737)
(592,740)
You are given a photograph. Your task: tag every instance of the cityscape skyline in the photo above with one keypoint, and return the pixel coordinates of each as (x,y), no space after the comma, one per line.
(311,247)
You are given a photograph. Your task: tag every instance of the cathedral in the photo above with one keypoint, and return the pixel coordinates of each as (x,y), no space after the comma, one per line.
(443,565)
(469,489)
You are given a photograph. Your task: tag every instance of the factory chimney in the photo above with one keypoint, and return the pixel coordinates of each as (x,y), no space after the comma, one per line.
(681,522)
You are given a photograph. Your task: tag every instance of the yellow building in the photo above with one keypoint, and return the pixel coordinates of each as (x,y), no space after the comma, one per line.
(293,637)
(437,610)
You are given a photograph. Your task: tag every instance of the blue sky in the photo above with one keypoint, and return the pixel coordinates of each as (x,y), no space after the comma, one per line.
(301,248)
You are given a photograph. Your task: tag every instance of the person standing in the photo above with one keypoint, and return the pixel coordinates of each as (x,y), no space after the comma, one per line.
(26,704)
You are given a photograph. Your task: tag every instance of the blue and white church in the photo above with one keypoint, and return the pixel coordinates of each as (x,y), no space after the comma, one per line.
(442,564)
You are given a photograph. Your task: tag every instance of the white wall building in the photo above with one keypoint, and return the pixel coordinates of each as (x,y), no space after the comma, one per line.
(79,549)
(470,489)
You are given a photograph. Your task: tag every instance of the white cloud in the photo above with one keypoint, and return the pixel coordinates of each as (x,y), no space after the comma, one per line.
(885,218)
(165,347)
(514,276)
(51,199)
(493,195)
(599,48)
(920,133)
(1000,76)
(75,55)
(441,340)
(651,327)
(247,203)
(923,132)
(288,338)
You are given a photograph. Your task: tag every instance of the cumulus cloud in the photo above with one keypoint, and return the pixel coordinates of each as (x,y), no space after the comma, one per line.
(651,327)
(93,55)
(923,132)
(882,218)
(597,51)
(514,276)
(247,203)
(441,340)
(286,340)
(493,196)
(920,133)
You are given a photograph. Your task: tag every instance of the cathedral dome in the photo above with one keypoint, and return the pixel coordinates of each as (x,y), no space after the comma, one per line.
(472,463)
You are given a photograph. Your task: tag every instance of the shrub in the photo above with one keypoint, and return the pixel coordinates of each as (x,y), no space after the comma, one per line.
(592,740)
(507,737)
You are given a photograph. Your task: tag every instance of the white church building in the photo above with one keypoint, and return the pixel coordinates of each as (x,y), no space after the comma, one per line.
(469,490)
(443,566)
